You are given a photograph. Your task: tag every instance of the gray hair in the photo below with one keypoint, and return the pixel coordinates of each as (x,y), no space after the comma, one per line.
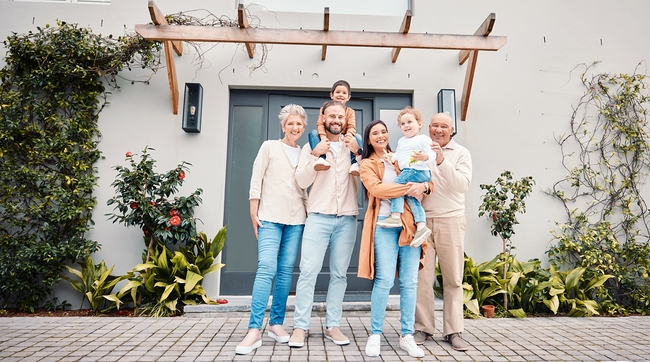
(290,109)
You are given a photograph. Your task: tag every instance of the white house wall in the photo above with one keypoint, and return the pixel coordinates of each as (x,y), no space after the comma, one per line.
(522,95)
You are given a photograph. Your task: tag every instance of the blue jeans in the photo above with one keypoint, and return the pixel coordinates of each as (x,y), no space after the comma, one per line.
(397,204)
(277,248)
(314,139)
(339,233)
(387,253)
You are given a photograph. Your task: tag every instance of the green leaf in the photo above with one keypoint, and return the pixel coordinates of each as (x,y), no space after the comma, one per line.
(213,268)
(517,313)
(597,282)
(472,306)
(168,289)
(553,304)
(191,280)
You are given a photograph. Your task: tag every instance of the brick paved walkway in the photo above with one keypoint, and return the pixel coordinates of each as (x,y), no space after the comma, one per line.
(214,339)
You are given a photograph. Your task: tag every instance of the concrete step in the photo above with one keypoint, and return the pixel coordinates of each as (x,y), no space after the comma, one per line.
(243,304)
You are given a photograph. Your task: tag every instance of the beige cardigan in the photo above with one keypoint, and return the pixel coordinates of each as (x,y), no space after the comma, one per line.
(273,182)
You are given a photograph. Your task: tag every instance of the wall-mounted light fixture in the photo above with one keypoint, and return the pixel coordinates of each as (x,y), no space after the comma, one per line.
(192,107)
(447,104)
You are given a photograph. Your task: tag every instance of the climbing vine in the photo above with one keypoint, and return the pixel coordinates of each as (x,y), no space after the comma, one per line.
(606,154)
(52,89)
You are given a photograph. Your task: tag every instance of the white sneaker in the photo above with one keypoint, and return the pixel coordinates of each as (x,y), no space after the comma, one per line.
(354,169)
(420,237)
(390,222)
(408,344)
(321,165)
(372,347)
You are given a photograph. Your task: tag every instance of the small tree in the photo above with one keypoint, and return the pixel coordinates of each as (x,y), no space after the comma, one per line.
(144,199)
(501,203)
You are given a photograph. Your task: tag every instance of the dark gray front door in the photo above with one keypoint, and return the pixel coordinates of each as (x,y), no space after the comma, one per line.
(253,120)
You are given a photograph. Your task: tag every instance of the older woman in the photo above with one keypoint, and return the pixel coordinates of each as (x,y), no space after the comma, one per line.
(277,208)
(383,249)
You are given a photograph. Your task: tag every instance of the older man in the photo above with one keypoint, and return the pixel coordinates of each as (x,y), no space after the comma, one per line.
(445,209)
(331,223)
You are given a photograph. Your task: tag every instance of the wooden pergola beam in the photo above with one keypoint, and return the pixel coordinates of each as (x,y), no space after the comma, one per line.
(326,27)
(469,45)
(484,30)
(320,37)
(404,29)
(243,24)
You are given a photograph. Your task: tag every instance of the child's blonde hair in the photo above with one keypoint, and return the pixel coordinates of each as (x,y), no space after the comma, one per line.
(411,110)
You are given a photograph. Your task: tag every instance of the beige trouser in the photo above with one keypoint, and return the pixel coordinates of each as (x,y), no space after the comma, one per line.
(446,240)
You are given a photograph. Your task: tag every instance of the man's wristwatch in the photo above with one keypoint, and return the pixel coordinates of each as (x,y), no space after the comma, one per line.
(427,191)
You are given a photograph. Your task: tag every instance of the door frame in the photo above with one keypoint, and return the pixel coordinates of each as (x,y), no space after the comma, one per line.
(241,283)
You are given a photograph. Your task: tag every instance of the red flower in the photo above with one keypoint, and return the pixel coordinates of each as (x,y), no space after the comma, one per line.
(175,220)
(173,213)
(222,301)
(181,176)
(129,154)
(134,205)
(494,215)
(152,203)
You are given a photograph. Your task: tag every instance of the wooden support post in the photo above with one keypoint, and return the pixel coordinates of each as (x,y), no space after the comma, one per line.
(326,27)
(159,19)
(171,75)
(404,29)
(243,24)
(485,29)
(467,86)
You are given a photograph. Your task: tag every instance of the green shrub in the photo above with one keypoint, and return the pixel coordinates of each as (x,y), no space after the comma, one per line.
(530,288)
(171,280)
(96,284)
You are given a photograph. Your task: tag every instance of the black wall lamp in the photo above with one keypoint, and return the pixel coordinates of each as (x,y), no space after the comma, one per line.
(192,107)
(447,104)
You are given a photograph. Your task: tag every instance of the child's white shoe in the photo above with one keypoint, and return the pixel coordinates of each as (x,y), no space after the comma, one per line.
(354,169)
(321,165)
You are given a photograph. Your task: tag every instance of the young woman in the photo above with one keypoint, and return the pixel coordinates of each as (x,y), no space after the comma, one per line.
(383,249)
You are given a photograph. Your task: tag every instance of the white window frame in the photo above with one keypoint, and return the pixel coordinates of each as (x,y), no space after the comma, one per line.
(68,1)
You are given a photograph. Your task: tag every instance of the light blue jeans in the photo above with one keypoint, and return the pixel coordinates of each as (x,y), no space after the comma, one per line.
(277,248)
(397,204)
(314,139)
(322,231)
(388,254)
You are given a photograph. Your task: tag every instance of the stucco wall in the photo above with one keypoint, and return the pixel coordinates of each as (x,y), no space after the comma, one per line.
(522,95)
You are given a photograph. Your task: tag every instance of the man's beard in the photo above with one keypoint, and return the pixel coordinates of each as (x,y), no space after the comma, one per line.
(330,130)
